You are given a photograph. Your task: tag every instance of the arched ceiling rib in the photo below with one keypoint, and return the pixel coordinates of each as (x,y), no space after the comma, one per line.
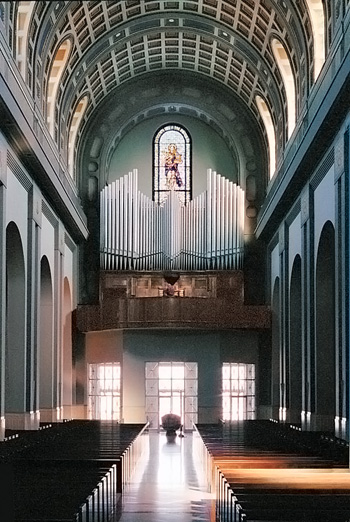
(228,40)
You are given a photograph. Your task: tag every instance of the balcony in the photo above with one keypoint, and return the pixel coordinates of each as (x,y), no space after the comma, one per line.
(213,300)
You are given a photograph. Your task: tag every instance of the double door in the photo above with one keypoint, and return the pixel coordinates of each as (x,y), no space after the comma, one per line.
(172,387)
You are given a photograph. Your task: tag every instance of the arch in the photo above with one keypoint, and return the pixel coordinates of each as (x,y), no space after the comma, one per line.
(275,349)
(295,343)
(47,361)
(67,355)
(73,131)
(317,17)
(172,163)
(15,358)
(24,15)
(270,132)
(284,65)
(325,387)
(57,67)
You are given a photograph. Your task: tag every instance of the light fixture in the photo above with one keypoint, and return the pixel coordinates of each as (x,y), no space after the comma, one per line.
(224,34)
(171,20)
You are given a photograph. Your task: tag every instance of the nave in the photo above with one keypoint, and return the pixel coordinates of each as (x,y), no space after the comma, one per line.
(105,471)
(168,484)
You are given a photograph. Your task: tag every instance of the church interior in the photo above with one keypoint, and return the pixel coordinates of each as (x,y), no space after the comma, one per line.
(174,226)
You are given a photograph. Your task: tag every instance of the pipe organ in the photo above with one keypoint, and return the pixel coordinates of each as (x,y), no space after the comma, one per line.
(139,234)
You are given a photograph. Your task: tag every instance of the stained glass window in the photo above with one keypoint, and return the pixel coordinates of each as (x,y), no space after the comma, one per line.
(172,163)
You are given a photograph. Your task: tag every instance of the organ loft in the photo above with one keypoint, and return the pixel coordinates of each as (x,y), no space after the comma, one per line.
(174,244)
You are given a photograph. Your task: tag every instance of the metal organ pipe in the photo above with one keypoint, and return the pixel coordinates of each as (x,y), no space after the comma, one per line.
(138,234)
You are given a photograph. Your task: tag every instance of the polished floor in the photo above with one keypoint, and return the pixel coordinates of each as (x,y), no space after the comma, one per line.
(168,485)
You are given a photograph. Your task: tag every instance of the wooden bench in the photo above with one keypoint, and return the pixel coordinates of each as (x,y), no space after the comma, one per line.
(72,471)
(259,477)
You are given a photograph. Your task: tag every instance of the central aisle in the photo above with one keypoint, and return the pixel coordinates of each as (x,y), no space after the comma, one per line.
(167,485)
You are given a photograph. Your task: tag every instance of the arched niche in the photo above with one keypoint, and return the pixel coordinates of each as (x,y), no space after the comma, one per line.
(15,352)
(275,359)
(295,344)
(47,362)
(325,385)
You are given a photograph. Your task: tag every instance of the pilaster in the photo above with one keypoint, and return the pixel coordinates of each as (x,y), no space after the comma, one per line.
(341,180)
(284,341)
(308,326)
(33,292)
(58,326)
(3,182)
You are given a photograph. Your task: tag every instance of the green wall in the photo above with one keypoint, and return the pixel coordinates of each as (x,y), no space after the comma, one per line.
(209,150)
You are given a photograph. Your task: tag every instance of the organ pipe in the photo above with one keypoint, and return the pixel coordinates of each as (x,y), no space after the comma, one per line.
(139,234)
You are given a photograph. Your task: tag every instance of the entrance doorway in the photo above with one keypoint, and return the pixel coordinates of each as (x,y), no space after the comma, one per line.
(104,391)
(172,387)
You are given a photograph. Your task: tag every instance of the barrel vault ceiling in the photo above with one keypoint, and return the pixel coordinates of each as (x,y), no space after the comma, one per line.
(162,47)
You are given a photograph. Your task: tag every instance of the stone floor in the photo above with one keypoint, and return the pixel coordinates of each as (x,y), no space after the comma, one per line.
(168,485)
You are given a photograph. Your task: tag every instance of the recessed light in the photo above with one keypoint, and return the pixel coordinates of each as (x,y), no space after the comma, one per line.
(171,20)
(224,34)
(118,34)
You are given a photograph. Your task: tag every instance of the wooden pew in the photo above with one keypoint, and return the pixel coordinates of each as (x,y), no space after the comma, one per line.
(72,471)
(257,480)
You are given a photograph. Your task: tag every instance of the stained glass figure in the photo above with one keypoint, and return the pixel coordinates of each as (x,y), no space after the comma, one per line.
(172,163)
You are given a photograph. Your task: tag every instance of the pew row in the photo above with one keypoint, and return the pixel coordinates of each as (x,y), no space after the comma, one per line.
(256,479)
(74,471)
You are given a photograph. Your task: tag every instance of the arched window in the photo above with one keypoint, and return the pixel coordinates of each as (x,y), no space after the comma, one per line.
(172,163)
(24,14)
(73,131)
(57,68)
(317,17)
(270,132)
(285,68)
